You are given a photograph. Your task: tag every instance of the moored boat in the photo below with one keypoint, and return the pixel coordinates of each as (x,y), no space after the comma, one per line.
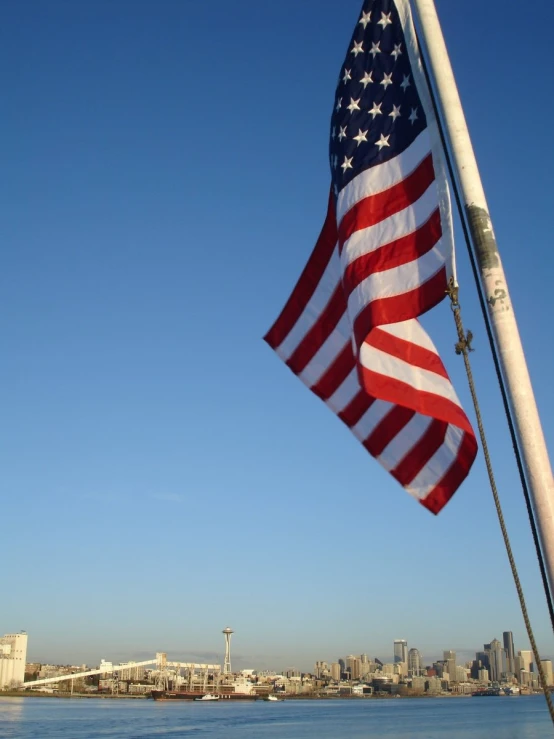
(208,697)
(184,695)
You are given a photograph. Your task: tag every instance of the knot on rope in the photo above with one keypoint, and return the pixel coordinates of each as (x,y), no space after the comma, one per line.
(464,345)
(464,340)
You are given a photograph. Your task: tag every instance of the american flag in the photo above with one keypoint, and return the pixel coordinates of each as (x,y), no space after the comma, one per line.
(349,330)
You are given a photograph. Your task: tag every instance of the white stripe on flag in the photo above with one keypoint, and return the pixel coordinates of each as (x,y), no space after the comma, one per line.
(404,441)
(439,464)
(411,331)
(371,419)
(396,281)
(322,294)
(368,240)
(345,393)
(393,368)
(383,176)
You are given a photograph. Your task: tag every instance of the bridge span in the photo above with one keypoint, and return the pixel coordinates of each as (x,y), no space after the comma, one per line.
(160,660)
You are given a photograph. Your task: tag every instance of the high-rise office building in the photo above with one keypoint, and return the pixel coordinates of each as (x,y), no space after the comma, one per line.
(547,669)
(440,668)
(335,671)
(449,657)
(525,677)
(13,656)
(414,663)
(320,668)
(366,666)
(400,650)
(526,659)
(508,639)
(483,675)
(483,657)
(497,659)
(354,666)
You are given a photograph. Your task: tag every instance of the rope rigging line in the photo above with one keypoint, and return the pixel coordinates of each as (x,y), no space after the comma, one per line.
(463,347)
(490,336)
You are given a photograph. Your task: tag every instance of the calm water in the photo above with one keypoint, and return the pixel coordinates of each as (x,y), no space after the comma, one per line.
(430,718)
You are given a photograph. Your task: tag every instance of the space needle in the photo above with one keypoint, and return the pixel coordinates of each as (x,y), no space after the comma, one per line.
(227,662)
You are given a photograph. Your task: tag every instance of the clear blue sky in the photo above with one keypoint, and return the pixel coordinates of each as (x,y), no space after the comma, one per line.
(164,177)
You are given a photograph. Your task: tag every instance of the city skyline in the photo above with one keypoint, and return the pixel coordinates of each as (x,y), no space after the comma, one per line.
(496,667)
(462,655)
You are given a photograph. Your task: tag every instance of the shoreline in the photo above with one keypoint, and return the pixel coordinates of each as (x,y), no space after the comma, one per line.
(109,696)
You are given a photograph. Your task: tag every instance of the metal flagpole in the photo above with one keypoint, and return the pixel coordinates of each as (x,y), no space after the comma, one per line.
(493,283)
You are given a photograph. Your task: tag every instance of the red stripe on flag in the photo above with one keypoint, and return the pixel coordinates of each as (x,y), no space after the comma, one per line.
(336,374)
(359,405)
(401,307)
(375,208)
(309,280)
(387,429)
(441,493)
(401,251)
(422,401)
(413,354)
(418,456)
(319,332)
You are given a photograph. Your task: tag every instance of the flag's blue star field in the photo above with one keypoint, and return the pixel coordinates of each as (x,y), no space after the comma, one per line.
(377,112)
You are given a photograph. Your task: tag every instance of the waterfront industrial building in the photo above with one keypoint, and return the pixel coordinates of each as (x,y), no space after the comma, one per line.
(13,656)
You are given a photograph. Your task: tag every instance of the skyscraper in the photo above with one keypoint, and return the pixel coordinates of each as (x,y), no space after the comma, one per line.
(400,650)
(497,659)
(414,663)
(450,663)
(483,657)
(547,669)
(526,659)
(354,666)
(320,668)
(510,654)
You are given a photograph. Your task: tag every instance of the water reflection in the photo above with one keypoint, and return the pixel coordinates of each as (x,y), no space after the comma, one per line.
(11,710)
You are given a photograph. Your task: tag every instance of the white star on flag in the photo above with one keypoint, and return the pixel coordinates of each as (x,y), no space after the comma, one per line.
(396,51)
(383,141)
(375,49)
(376,110)
(365,19)
(347,164)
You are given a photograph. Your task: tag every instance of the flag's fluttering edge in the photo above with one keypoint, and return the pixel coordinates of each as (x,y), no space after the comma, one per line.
(349,330)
